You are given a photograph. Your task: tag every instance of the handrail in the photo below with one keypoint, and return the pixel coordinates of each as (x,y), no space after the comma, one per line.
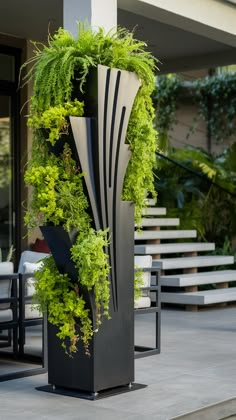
(198,174)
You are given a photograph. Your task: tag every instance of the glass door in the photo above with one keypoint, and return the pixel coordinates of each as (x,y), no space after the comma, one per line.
(11,155)
(6,177)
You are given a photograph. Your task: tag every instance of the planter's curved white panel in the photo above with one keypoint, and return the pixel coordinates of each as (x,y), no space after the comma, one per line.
(103,154)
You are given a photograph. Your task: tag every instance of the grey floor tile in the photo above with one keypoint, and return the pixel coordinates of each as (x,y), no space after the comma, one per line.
(197,367)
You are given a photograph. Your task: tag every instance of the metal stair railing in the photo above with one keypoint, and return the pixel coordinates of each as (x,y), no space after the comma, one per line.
(195,173)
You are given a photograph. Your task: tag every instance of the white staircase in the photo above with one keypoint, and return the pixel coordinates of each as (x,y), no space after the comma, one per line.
(164,234)
(192,262)
(173,248)
(183,270)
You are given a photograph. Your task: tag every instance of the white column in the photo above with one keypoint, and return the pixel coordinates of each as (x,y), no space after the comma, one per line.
(94,13)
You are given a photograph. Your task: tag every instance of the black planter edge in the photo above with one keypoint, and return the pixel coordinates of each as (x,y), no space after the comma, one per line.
(91,396)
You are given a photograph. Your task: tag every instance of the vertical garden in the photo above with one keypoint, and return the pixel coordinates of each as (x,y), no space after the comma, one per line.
(93,155)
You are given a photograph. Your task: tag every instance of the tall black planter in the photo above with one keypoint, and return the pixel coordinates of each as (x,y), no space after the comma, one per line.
(100,150)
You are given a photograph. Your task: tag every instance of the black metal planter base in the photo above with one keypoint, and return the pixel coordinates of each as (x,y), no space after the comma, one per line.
(92,396)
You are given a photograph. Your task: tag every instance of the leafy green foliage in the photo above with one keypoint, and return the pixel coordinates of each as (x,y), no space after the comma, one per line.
(54,119)
(138,283)
(214,95)
(66,59)
(56,294)
(142,139)
(93,267)
(60,72)
(5,168)
(226,249)
(9,254)
(58,195)
(165,97)
(200,204)
(217,104)
(64,300)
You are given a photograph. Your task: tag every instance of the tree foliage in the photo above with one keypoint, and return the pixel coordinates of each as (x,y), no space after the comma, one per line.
(209,208)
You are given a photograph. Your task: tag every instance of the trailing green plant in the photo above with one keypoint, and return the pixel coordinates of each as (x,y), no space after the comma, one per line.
(66,308)
(64,300)
(58,198)
(141,136)
(93,267)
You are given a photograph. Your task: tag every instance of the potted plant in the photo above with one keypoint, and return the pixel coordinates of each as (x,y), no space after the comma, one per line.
(93,153)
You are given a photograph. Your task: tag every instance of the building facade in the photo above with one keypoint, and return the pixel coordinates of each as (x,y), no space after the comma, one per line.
(183,35)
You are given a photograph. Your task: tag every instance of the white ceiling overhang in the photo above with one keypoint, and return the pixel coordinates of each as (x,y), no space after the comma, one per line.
(183,34)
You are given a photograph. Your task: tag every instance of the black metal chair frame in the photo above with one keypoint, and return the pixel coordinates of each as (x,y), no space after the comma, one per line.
(11,325)
(23,322)
(144,351)
(18,325)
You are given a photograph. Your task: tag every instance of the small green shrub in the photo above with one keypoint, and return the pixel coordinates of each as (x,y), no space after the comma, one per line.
(55,119)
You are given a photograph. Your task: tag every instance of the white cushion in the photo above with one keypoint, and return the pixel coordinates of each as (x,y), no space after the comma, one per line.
(142,302)
(29,268)
(5,316)
(144,261)
(5,285)
(30,311)
(30,257)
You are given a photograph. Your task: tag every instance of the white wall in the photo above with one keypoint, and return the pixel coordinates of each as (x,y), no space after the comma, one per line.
(95,13)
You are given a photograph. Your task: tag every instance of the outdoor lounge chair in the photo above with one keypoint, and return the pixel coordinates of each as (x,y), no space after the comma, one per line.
(8,306)
(144,261)
(28,316)
(143,305)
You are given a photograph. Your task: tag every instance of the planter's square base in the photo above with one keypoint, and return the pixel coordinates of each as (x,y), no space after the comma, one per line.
(91,396)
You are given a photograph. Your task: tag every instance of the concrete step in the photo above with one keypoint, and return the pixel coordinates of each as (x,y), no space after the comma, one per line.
(150,201)
(173,248)
(164,234)
(196,279)
(205,297)
(222,410)
(154,211)
(192,262)
(159,222)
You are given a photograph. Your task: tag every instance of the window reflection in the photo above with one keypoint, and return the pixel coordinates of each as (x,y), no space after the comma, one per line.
(7,68)
(5,176)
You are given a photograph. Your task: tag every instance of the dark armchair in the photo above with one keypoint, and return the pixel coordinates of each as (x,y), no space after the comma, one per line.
(8,307)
